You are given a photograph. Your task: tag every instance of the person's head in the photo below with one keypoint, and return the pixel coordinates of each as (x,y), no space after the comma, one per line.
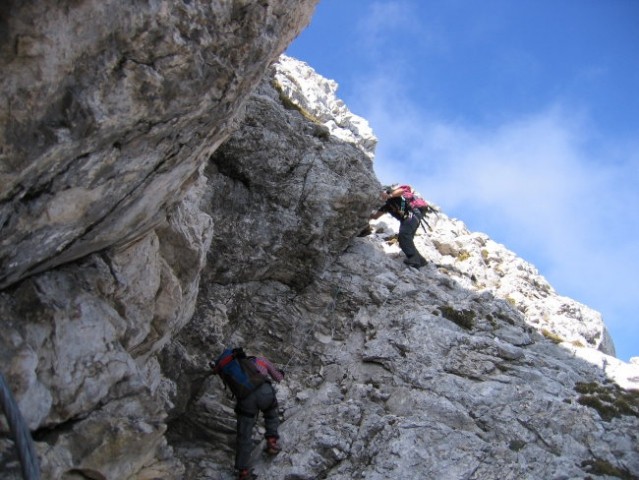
(239,352)
(387,190)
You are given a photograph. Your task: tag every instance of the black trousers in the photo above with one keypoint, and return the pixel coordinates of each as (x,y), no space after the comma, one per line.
(407,229)
(262,399)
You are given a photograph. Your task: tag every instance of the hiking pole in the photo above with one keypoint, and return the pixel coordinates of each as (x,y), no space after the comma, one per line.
(429,209)
(19,432)
(422,222)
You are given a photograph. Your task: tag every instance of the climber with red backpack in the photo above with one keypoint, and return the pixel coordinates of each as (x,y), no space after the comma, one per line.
(249,379)
(407,206)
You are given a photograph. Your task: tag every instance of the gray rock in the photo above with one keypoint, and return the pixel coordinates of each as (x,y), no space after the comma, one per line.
(109,109)
(166,191)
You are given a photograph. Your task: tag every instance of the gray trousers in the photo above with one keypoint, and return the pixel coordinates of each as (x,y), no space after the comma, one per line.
(263,399)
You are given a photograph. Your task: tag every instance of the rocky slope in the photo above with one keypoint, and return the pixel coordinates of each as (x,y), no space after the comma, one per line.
(469,368)
(166,193)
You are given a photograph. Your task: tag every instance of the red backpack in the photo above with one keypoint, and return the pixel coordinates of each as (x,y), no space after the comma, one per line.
(413,198)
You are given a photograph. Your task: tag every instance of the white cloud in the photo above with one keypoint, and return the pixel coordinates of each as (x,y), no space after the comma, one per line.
(545,185)
(384,17)
(388,28)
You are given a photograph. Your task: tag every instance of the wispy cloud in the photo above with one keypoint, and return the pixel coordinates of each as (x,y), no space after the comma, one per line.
(506,122)
(384,18)
(545,184)
(390,27)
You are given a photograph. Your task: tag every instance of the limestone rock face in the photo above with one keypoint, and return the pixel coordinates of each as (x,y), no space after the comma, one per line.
(79,345)
(286,195)
(167,190)
(397,373)
(110,108)
(483,265)
(109,112)
(316,96)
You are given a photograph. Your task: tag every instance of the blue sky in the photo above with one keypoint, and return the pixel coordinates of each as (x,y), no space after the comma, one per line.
(519,117)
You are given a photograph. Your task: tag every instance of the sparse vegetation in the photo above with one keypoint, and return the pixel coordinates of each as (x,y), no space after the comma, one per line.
(463,318)
(610,401)
(541,286)
(291,105)
(606,411)
(463,255)
(484,254)
(516,445)
(603,467)
(553,337)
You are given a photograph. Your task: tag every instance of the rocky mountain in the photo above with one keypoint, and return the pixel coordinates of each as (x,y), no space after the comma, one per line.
(169,188)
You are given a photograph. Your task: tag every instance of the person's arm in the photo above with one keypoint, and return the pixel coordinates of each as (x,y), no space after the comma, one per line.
(398,192)
(385,196)
(375,215)
(273,372)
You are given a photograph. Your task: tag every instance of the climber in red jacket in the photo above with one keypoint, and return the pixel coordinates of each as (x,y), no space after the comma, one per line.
(398,205)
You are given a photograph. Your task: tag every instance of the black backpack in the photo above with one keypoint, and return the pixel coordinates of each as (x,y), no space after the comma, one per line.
(238,372)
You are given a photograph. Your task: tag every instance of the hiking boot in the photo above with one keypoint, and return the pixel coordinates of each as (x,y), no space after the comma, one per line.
(416,261)
(246,474)
(272,448)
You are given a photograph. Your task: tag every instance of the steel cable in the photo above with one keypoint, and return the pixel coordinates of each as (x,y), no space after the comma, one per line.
(20,433)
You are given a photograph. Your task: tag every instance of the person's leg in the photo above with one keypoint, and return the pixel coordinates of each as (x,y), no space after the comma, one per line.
(406,237)
(272,416)
(246,411)
(407,229)
(267,402)
(244,444)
